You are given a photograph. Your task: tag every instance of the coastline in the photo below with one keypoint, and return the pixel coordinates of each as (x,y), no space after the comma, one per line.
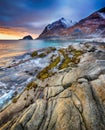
(46,74)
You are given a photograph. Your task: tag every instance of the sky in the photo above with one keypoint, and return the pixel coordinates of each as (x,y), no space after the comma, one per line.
(23,17)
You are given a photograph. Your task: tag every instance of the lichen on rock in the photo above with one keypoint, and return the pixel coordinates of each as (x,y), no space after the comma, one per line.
(71,99)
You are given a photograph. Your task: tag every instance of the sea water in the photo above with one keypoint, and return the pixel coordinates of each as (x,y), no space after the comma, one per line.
(10,48)
(9,77)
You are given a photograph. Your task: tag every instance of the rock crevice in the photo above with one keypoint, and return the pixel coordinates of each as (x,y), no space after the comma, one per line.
(71,100)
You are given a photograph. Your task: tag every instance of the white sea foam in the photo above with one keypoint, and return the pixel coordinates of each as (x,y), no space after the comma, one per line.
(5,98)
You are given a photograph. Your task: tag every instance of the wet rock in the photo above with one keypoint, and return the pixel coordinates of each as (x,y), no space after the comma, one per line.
(69,100)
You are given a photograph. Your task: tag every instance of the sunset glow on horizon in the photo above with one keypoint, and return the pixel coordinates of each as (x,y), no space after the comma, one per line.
(19,18)
(14,34)
(8,37)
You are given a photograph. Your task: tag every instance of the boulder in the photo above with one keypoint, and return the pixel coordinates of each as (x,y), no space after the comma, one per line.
(28,37)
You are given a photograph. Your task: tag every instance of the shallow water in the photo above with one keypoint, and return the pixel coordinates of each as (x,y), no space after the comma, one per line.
(15,79)
(9,48)
(15,47)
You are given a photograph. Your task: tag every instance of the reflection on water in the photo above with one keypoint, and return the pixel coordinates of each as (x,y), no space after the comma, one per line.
(15,47)
(9,48)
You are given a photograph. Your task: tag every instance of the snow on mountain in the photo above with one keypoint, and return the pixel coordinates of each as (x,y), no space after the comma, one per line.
(89,27)
(61,23)
(102,15)
(66,22)
(55,27)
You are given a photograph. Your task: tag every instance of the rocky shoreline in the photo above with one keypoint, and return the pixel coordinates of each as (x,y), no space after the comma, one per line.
(66,91)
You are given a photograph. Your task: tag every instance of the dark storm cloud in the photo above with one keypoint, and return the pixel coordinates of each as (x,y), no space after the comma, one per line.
(35,14)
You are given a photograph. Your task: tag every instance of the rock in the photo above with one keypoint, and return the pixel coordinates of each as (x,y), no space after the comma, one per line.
(52,91)
(36,112)
(28,37)
(81,80)
(69,100)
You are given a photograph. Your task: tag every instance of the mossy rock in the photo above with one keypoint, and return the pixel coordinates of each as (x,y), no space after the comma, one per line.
(54,63)
(75,60)
(63,52)
(45,75)
(42,75)
(42,55)
(78,53)
(50,49)
(31,85)
(53,48)
(65,63)
(71,48)
(52,57)
(15,99)
(35,53)
(46,72)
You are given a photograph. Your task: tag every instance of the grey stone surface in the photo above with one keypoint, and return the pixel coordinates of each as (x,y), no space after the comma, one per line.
(74,100)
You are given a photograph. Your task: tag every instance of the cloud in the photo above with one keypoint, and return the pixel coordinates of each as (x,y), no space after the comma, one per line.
(34,15)
(15,33)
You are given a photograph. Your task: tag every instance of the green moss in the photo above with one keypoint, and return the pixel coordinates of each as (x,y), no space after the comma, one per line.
(50,49)
(62,51)
(45,73)
(54,63)
(42,75)
(78,53)
(35,53)
(65,63)
(75,59)
(31,85)
(42,55)
(15,99)
(70,61)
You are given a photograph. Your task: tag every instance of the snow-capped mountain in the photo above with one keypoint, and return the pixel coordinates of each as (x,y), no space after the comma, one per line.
(61,23)
(57,26)
(102,15)
(91,26)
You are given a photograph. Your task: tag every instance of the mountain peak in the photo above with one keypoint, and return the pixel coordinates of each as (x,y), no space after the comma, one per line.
(102,10)
(66,22)
(101,13)
(61,23)
(91,26)
(57,26)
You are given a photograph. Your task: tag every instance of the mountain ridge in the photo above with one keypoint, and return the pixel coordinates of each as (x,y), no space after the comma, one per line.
(89,27)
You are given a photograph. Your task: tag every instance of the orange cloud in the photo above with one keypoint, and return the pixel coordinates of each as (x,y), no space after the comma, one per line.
(14,33)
